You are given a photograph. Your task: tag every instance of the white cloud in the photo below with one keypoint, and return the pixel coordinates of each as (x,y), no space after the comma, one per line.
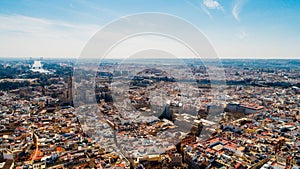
(212,4)
(236,10)
(29,36)
(206,11)
(43,27)
(200,7)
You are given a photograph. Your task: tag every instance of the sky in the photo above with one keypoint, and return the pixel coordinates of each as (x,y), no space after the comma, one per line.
(236,28)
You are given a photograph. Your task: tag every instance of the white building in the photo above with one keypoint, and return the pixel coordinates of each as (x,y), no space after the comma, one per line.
(38,67)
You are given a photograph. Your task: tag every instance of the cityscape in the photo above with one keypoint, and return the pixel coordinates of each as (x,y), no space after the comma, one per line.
(151,118)
(157,84)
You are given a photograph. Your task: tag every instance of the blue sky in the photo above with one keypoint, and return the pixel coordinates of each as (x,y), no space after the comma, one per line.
(236,28)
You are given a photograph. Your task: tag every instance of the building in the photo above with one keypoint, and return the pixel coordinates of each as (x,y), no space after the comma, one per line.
(245,108)
(8,164)
(38,67)
(176,159)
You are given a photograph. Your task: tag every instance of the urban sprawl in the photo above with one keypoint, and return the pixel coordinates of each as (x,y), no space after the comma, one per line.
(56,114)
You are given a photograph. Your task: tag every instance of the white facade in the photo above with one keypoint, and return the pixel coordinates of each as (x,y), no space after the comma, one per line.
(38,67)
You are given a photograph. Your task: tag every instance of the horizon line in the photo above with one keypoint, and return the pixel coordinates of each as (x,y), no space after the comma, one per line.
(120,58)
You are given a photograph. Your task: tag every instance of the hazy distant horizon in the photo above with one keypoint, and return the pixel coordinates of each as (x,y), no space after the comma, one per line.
(183,58)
